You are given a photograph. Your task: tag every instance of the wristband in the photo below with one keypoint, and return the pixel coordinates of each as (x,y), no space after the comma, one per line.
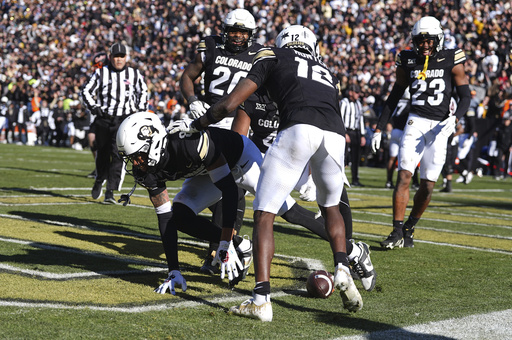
(196,124)
(211,119)
(192,99)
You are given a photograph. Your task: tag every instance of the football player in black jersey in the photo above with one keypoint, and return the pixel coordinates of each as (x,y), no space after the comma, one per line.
(222,62)
(431,73)
(258,118)
(310,130)
(215,163)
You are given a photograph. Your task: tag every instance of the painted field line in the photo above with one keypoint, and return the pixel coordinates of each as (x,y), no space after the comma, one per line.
(138,309)
(495,325)
(69,276)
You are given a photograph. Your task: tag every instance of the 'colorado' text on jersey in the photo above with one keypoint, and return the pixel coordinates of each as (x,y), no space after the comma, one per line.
(223,69)
(430,98)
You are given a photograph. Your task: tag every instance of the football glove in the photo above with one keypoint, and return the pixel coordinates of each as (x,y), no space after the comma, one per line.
(183,125)
(97,112)
(227,257)
(174,279)
(448,126)
(376,138)
(198,108)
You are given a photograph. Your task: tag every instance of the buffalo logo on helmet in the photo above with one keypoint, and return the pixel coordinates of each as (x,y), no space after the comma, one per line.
(147,132)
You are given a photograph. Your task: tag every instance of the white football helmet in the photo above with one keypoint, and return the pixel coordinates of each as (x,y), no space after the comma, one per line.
(238,19)
(428,28)
(298,37)
(142,132)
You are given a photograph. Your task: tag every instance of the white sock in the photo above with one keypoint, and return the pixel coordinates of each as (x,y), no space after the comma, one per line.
(260,299)
(356,252)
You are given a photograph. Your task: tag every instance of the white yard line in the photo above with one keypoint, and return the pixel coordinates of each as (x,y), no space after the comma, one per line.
(495,325)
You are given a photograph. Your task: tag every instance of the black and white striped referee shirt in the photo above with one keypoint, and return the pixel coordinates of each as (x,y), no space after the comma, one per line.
(352,115)
(119,93)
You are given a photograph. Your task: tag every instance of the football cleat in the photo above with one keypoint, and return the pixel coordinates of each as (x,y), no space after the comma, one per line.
(92,174)
(389,185)
(250,309)
(244,252)
(109,197)
(350,296)
(363,267)
(97,189)
(208,267)
(408,237)
(395,239)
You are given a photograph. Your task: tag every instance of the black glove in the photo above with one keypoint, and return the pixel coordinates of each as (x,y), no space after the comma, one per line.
(97,111)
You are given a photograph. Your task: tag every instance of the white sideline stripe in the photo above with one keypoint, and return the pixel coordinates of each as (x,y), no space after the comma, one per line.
(55,276)
(495,325)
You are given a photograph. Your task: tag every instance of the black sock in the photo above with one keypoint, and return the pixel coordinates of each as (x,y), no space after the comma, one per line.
(341,258)
(398,225)
(262,288)
(411,222)
(306,218)
(449,185)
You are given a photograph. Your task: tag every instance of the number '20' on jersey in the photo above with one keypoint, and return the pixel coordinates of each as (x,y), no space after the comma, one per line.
(223,69)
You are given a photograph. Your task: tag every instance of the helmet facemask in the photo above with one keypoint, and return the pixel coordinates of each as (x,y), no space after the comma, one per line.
(427,28)
(141,141)
(242,21)
(237,39)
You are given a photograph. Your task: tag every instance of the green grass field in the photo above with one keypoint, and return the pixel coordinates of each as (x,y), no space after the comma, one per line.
(72,267)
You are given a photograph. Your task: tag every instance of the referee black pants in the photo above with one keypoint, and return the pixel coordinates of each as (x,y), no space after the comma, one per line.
(353,153)
(109,165)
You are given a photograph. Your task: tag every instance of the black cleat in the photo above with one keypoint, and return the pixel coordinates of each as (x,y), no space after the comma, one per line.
(208,267)
(389,185)
(109,197)
(97,189)
(408,237)
(395,239)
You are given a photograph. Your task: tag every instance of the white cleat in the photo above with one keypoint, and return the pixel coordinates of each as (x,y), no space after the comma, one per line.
(364,267)
(249,309)
(350,296)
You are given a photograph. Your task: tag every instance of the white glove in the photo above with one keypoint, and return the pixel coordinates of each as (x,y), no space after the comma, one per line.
(376,138)
(182,125)
(227,257)
(174,279)
(448,126)
(198,108)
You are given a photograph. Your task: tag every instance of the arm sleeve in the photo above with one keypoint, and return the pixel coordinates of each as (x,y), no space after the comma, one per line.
(229,200)
(169,237)
(464,100)
(390,105)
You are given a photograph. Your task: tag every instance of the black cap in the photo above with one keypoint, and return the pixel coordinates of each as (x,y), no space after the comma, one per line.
(117,48)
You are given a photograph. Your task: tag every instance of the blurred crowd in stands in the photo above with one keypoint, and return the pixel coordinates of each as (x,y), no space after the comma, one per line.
(47,47)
